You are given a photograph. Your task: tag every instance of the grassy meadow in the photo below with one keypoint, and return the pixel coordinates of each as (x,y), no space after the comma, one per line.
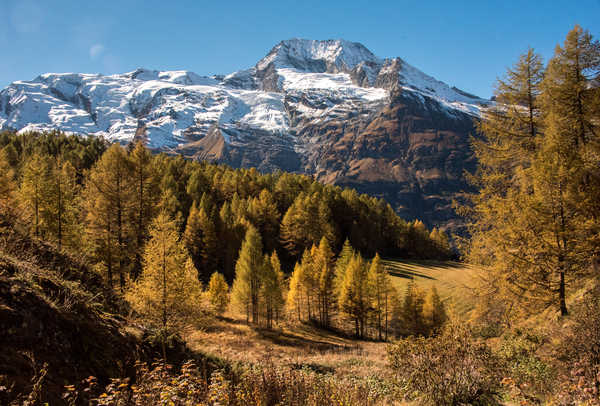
(453,280)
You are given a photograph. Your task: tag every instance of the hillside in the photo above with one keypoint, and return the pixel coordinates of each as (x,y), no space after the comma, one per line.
(61,323)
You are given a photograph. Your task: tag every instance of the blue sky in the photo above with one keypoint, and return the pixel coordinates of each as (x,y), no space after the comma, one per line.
(467,44)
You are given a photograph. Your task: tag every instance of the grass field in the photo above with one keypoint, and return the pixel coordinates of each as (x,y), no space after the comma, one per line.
(306,346)
(453,280)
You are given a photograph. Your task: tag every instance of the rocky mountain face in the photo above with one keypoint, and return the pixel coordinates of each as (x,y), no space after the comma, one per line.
(330,109)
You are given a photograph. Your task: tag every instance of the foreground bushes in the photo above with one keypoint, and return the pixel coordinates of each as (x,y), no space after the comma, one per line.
(448,369)
(259,385)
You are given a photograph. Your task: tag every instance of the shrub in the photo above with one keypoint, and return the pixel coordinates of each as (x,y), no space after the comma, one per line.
(581,350)
(264,384)
(529,376)
(449,369)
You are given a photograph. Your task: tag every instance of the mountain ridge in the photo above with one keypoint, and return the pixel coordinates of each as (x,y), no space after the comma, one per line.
(299,109)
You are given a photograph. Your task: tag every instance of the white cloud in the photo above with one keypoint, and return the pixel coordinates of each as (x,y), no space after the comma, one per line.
(96,50)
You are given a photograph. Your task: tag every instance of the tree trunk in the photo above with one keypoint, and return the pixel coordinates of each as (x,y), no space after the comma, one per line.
(562,296)
(60,210)
(164,304)
(37,211)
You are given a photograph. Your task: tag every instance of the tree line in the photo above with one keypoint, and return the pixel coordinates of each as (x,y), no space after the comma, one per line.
(100,199)
(149,222)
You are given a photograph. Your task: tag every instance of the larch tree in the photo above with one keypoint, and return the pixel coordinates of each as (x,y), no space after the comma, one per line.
(505,229)
(99,234)
(231,235)
(354,300)
(60,206)
(218,293)
(324,267)
(192,235)
(294,300)
(309,281)
(248,274)
(108,202)
(34,182)
(341,263)
(306,221)
(434,311)
(379,285)
(167,292)
(144,200)
(197,184)
(412,311)
(272,288)
(571,103)
(8,185)
(263,213)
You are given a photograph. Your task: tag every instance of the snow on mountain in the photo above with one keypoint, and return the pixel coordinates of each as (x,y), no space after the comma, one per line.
(172,108)
(306,55)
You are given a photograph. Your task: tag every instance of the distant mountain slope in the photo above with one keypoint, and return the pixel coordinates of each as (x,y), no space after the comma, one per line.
(327,108)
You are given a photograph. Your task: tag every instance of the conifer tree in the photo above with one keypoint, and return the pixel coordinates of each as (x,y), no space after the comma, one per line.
(306,222)
(294,300)
(218,293)
(344,258)
(167,292)
(99,234)
(324,265)
(197,185)
(7,182)
(168,200)
(231,234)
(440,242)
(108,201)
(59,210)
(512,125)
(272,288)
(248,274)
(34,182)
(412,310)
(533,216)
(434,311)
(192,236)
(379,288)
(309,281)
(354,301)
(144,199)
(263,213)
(200,237)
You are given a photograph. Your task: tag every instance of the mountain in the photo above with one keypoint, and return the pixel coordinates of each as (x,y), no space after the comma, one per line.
(331,109)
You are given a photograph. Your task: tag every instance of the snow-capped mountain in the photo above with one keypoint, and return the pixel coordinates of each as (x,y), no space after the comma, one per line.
(278,114)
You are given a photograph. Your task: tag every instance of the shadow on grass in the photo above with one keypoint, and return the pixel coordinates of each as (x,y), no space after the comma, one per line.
(405,269)
(319,369)
(426,263)
(293,340)
(409,274)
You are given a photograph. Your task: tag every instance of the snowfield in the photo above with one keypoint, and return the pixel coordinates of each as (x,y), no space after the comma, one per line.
(315,79)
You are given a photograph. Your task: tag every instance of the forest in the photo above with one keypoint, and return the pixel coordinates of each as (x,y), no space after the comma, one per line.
(182,242)
(136,215)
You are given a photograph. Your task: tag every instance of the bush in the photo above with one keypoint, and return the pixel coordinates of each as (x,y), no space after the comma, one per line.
(263,384)
(529,376)
(448,369)
(581,350)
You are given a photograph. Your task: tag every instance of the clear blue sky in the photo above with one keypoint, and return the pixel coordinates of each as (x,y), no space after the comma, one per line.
(464,43)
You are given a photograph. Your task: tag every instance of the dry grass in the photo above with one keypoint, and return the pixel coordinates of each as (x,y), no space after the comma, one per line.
(305,346)
(290,344)
(453,280)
